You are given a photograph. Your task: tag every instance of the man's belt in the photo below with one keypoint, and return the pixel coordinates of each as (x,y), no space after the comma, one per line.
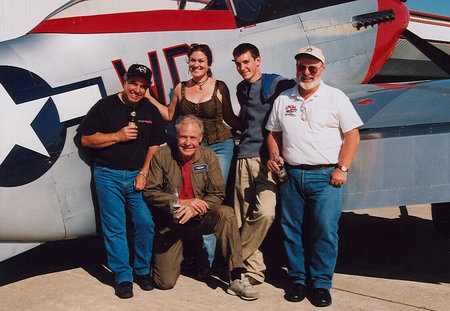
(307,167)
(113,167)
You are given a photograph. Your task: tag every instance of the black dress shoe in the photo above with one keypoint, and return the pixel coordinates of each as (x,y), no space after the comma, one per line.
(145,282)
(320,297)
(295,293)
(124,290)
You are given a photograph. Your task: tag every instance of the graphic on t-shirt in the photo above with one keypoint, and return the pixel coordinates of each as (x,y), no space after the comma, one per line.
(291,110)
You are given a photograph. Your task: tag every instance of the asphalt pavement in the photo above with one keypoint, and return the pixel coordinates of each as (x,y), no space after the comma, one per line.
(385,262)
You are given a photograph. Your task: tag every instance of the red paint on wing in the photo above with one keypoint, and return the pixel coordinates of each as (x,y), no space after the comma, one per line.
(394,86)
(365,101)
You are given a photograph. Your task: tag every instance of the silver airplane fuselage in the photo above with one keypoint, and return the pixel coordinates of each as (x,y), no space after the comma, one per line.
(52,76)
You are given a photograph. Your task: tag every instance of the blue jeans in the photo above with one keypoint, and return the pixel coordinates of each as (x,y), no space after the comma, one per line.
(310,211)
(224,151)
(116,192)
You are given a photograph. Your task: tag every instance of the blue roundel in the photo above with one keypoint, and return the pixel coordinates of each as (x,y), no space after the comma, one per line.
(23,165)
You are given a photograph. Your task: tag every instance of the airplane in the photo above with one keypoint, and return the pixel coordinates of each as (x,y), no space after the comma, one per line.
(50,78)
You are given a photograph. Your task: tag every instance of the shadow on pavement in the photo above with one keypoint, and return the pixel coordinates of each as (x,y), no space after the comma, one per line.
(87,253)
(403,248)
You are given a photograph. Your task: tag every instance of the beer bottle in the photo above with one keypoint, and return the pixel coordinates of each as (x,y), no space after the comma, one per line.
(132,119)
(175,205)
(282,174)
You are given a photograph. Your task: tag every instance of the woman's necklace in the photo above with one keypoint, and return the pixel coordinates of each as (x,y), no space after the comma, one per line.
(200,84)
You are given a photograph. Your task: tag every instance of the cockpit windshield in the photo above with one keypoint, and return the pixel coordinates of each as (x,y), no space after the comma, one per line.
(250,12)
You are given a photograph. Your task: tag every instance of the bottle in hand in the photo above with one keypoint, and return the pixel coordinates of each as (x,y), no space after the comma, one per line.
(132,120)
(174,206)
(282,174)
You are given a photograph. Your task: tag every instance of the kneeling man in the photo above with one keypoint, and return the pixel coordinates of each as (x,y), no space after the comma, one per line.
(193,172)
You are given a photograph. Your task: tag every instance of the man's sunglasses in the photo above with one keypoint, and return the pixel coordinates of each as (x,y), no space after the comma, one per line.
(312,69)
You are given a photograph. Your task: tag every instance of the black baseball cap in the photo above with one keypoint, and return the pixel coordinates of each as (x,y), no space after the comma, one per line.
(140,71)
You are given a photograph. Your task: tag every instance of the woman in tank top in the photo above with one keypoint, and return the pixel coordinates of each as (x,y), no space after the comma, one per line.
(208,99)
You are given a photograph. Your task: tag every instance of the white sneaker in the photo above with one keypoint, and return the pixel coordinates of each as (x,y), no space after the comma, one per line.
(242,288)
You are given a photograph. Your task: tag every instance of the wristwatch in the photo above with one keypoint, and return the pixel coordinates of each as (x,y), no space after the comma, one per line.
(343,168)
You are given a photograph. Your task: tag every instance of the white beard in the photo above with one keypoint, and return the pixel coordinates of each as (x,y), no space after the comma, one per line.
(310,85)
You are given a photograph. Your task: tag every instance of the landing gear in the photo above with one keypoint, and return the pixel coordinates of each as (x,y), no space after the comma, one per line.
(441,218)
(403,211)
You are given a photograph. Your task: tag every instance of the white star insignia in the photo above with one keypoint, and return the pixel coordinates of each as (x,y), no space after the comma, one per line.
(15,124)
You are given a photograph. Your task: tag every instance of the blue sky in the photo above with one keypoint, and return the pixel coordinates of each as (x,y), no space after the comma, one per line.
(439,7)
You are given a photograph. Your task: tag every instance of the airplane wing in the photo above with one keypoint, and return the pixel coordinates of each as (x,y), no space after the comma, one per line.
(406,104)
(403,157)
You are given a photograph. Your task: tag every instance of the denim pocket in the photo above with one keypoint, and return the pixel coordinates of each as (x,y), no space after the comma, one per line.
(327,170)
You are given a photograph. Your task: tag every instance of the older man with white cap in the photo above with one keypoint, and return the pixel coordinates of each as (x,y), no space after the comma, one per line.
(316,129)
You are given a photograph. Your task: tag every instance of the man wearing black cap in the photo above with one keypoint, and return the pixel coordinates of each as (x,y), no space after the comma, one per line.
(124,130)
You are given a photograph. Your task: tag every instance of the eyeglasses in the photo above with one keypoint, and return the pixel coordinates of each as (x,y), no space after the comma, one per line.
(312,69)
(303,111)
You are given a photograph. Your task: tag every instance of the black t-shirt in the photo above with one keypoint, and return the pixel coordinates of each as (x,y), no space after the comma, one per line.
(109,115)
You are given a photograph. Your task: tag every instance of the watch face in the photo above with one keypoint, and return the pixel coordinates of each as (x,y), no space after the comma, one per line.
(344,168)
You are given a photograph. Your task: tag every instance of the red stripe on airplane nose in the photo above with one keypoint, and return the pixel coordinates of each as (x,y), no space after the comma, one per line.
(387,35)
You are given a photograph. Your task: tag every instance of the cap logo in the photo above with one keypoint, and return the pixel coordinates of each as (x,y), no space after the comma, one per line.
(309,50)
(142,69)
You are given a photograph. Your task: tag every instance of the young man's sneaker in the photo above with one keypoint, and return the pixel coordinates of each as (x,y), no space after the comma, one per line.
(242,288)
(124,290)
(252,280)
(144,281)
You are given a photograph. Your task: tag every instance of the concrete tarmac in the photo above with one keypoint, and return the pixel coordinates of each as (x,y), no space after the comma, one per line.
(385,263)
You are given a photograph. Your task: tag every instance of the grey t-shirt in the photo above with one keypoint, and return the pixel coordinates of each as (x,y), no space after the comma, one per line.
(255,110)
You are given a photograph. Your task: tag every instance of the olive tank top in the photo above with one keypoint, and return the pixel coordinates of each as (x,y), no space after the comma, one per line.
(210,112)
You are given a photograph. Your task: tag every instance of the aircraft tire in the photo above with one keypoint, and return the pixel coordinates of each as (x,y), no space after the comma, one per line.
(441,218)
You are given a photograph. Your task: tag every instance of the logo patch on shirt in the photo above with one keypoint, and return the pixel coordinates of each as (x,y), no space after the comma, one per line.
(200,168)
(145,121)
(291,110)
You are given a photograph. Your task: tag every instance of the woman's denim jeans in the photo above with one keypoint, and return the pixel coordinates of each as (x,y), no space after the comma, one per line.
(224,151)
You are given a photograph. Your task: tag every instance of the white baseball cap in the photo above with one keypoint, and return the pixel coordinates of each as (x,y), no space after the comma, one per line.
(311,50)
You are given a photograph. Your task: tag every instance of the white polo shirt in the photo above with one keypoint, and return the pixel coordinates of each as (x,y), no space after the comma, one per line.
(318,139)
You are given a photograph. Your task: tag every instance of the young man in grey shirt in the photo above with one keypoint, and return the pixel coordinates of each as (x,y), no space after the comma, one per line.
(255,187)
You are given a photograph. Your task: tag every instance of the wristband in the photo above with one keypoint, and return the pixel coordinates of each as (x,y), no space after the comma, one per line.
(143,174)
